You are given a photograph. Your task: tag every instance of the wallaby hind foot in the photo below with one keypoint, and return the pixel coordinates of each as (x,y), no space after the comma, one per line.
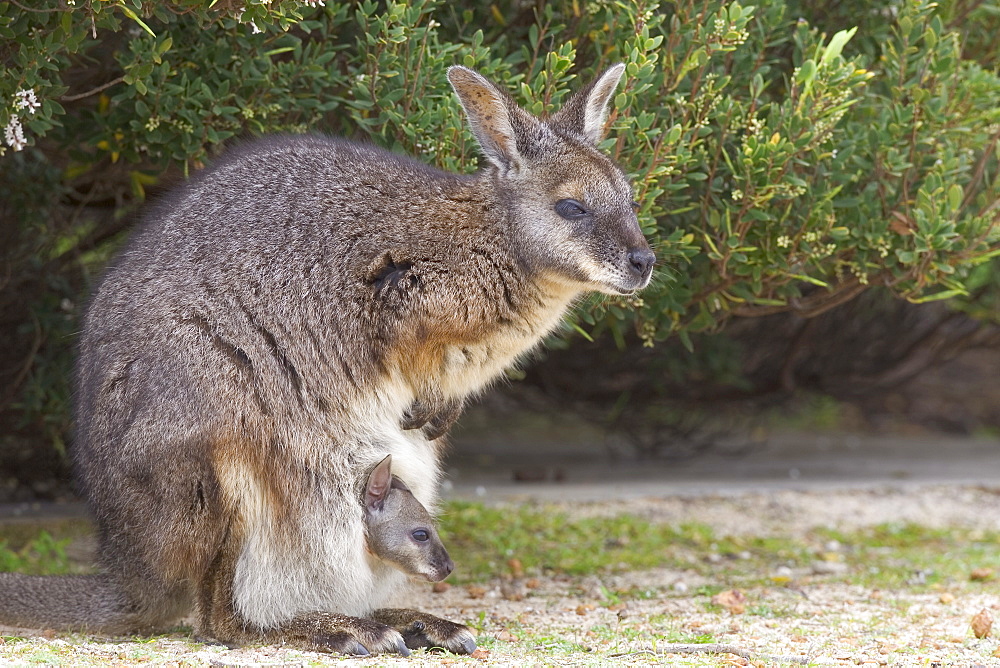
(329,632)
(314,631)
(420,629)
(390,631)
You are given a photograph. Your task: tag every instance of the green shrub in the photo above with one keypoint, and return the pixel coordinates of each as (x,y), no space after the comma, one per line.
(787,157)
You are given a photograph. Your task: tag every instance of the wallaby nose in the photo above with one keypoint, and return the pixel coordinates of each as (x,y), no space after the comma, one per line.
(641,261)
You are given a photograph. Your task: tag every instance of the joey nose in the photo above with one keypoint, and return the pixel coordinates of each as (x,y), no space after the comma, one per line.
(641,260)
(447,567)
(442,568)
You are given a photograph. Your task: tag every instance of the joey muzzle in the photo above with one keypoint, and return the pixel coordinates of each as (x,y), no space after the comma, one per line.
(442,568)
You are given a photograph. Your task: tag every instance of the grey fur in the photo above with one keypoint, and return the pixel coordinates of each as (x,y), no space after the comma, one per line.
(280,323)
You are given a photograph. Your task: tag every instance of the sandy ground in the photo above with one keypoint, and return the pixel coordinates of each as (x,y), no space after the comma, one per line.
(802,616)
(564,620)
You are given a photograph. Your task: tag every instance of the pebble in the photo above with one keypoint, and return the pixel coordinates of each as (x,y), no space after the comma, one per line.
(828,568)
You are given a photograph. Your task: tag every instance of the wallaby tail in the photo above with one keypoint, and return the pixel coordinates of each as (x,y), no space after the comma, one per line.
(70,602)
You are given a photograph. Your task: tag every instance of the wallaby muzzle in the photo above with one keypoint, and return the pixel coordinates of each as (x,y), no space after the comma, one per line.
(641,261)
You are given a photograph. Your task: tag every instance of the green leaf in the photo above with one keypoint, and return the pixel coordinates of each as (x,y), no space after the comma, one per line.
(582,332)
(164,45)
(810,279)
(806,73)
(937,296)
(955,196)
(135,17)
(685,338)
(835,46)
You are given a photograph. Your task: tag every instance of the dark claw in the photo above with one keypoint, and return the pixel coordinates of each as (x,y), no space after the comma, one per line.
(360,650)
(411,421)
(468,646)
(402,649)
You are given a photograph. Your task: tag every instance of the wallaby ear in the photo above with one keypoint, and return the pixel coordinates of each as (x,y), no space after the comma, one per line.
(494,117)
(378,485)
(587,111)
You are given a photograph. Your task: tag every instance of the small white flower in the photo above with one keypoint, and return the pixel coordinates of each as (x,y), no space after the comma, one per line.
(784,241)
(25,99)
(255,29)
(737,194)
(13,134)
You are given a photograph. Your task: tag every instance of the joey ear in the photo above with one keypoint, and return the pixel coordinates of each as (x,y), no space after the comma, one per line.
(587,111)
(494,117)
(378,485)
(399,484)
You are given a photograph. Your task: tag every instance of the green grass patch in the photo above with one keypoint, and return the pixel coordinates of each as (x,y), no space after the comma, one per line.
(903,555)
(484,539)
(16,534)
(44,555)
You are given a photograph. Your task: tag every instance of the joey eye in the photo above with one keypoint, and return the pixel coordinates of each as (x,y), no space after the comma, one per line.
(421,535)
(635,205)
(570,209)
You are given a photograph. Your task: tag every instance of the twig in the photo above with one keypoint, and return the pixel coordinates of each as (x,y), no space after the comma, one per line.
(29,361)
(715,648)
(92,91)
(32,9)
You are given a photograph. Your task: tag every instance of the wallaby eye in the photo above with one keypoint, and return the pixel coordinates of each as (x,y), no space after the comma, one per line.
(421,535)
(635,205)
(570,209)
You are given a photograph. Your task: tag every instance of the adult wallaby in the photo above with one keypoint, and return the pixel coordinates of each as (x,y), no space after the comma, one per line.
(281,322)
